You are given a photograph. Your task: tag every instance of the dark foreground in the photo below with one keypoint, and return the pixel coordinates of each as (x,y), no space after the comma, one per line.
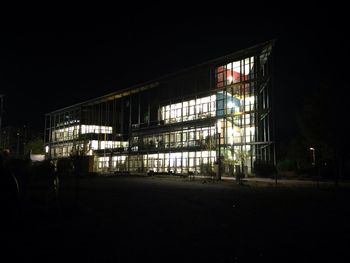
(137,219)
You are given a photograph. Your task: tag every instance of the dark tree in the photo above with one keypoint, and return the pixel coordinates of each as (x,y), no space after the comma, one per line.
(35,146)
(322,124)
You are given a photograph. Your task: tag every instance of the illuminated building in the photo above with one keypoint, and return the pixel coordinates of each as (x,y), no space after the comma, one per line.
(217,112)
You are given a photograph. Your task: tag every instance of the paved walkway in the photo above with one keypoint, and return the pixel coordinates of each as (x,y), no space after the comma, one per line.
(269,181)
(283,181)
(297,182)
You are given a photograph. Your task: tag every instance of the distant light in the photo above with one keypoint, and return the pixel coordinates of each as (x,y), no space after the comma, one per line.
(37,157)
(46,148)
(312,149)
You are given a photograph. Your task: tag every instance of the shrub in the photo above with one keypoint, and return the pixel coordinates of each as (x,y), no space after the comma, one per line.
(64,166)
(285,165)
(264,169)
(207,169)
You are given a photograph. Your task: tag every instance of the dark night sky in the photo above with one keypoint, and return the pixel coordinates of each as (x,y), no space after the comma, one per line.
(48,65)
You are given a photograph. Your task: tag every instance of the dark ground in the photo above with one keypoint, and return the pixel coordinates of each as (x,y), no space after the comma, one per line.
(146,219)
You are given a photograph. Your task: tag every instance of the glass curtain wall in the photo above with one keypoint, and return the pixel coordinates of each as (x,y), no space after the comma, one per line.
(205,129)
(236,113)
(227,122)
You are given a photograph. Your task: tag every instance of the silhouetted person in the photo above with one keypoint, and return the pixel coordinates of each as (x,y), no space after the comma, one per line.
(19,169)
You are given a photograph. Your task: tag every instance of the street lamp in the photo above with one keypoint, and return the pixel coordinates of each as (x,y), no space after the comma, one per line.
(318,171)
(313,156)
(17,148)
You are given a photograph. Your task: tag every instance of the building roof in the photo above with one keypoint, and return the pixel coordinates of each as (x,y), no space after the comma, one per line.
(153,83)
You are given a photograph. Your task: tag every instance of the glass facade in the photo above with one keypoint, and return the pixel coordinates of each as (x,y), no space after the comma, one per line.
(215,115)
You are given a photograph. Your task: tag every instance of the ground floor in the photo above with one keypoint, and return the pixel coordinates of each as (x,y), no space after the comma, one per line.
(203,162)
